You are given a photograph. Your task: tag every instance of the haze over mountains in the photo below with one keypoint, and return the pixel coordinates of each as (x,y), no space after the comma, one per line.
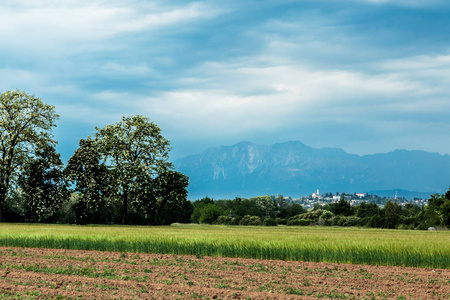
(294,169)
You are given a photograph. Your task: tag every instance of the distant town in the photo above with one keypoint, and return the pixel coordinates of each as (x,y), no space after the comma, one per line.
(317,199)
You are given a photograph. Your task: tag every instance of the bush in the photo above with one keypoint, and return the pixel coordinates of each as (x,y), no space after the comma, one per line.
(210,213)
(281,221)
(375,221)
(236,220)
(347,221)
(422,226)
(224,220)
(326,215)
(300,222)
(270,222)
(250,220)
(312,215)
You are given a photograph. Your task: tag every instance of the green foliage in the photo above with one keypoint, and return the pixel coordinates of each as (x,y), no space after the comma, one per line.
(326,215)
(300,222)
(270,222)
(367,210)
(43,184)
(250,221)
(25,126)
(391,213)
(210,213)
(198,206)
(91,178)
(172,205)
(438,210)
(342,207)
(376,221)
(240,207)
(266,206)
(312,216)
(224,220)
(347,221)
(135,152)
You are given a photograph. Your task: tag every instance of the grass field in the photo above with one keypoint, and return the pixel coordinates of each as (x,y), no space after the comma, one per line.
(317,244)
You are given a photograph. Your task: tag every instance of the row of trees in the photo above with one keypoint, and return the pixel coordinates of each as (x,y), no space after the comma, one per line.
(271,211)
(123,170)
(122,175)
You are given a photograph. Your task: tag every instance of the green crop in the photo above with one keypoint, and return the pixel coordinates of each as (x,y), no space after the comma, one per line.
(318,244)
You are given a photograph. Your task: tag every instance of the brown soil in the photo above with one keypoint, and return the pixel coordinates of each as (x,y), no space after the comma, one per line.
(27,273)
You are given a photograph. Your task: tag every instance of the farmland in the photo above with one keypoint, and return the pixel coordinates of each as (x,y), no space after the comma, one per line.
(31,273)
(316,244)
(189,262)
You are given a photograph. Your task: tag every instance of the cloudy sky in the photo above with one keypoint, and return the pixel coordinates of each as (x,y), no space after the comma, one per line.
(363,75)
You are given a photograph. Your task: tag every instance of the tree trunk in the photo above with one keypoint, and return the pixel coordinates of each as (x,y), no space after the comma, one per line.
(2,202)
(125,207)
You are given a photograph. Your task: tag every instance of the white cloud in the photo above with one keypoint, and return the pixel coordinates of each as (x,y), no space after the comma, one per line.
(66,24)
(289,95)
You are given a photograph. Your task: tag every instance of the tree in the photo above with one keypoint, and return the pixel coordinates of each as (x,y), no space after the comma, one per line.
(25,125)
(266,206)
(171,198)
(198,207)
(43,184)
(210,213)
(342,207)
(132,148)
(367,210)
(438,210)
(391,214)
(90,176)
(433,210)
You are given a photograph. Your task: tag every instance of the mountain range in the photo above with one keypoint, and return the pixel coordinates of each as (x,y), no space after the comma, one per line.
(295,169)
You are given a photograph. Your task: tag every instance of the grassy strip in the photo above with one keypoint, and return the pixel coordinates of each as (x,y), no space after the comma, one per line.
(248,250)
(357,246)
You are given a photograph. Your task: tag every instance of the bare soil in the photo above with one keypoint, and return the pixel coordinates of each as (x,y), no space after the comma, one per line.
(27,273)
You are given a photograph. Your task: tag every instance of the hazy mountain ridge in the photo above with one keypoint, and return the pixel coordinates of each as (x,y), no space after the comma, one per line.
(295,169)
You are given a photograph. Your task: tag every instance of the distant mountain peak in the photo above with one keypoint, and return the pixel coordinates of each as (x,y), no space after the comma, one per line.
(295,169)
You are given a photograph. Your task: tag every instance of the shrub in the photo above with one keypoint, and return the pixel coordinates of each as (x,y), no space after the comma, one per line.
(225,220)
(312,215)
(326,215)
(347,221)
(422,226)
(300,222)
(210,213)
(270,222)
(281,221)
(250,220)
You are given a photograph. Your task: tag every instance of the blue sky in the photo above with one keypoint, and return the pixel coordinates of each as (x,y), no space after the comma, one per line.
(363,75)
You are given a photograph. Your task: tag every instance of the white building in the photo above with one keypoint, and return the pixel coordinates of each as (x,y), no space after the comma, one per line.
(316,195)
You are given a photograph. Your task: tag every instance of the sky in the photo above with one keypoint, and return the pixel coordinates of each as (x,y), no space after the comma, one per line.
(367,76)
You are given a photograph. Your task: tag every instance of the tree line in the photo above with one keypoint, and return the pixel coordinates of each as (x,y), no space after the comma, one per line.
(273,211)
(120,175)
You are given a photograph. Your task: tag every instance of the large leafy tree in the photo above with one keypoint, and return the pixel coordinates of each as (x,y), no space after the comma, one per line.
(43,184)
(25,124)
(438,210)
(134,151)
(89,175)
(163,200)
(172,204)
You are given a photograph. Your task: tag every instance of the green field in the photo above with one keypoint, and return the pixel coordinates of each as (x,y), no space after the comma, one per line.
(319,244)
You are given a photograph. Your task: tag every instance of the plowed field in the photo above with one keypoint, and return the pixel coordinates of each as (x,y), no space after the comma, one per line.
(27,273)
